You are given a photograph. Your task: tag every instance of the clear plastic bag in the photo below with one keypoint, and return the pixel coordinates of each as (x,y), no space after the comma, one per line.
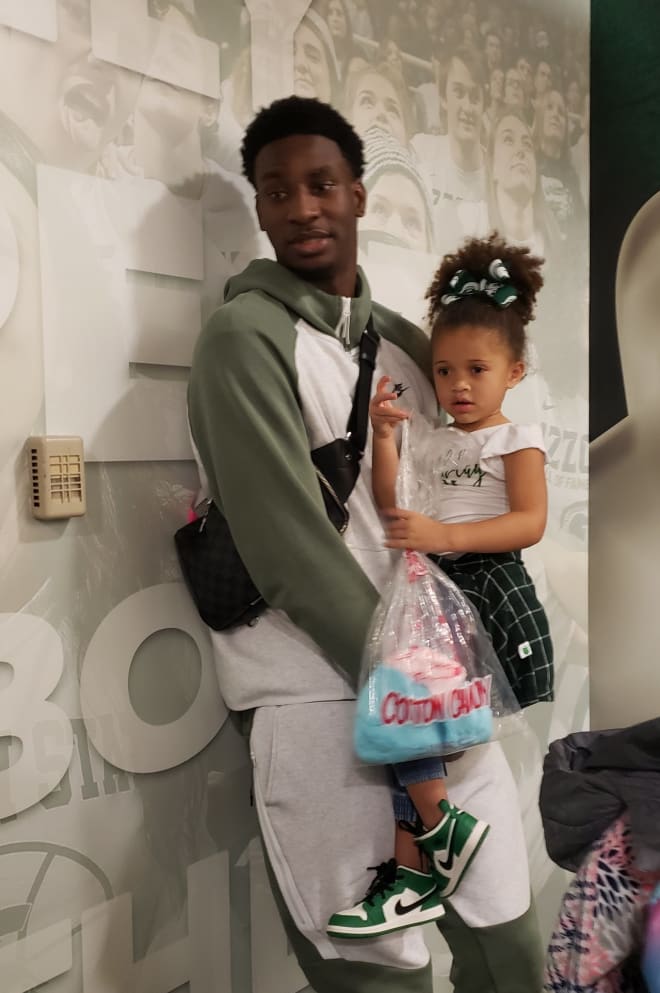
(431,681)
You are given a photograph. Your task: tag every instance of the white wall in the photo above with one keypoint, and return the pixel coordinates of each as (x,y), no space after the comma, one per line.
(127,852)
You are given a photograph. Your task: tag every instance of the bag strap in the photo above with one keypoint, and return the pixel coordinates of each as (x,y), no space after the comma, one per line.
(358,420)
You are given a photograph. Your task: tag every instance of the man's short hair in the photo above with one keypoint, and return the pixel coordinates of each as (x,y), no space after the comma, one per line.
(473,62)
(300,115)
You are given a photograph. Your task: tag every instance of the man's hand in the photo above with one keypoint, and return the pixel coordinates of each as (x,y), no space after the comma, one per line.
(406,529)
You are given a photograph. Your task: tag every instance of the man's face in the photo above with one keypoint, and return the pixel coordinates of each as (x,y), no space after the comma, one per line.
(493,51)
(393,56)
(573,96)
(311,72)
(513,91)
(337,19)
(496,85)
(542,79)
(465,103)
(514,163)
(542,40)
(554,117)
(308,202)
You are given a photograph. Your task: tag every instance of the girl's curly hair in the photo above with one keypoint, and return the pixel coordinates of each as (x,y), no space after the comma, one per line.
(475,255)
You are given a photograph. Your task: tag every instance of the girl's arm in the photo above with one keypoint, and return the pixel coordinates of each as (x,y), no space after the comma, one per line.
(523,525)
(384,469)
(385,455)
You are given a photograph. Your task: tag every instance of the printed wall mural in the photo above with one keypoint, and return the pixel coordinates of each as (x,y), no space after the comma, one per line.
(128,853)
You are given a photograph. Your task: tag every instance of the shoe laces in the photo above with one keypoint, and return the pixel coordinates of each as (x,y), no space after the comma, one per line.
(386,874)
(413,827)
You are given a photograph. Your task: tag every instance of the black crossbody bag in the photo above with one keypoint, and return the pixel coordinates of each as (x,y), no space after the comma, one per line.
(215,575)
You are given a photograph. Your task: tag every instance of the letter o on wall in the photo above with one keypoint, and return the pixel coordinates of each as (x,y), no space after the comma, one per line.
(117,731)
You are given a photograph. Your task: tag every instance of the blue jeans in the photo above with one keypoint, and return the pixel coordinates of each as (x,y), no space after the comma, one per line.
(406,774)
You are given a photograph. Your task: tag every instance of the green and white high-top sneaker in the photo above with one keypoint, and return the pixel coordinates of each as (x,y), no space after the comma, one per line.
(398,898)
(451,845)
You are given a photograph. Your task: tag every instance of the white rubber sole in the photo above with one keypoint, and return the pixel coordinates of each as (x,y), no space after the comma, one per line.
(423,917)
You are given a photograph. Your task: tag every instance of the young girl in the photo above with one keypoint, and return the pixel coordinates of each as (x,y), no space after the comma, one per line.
(488,479)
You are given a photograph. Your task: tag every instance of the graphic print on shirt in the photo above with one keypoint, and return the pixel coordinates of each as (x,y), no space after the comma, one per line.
(455,466)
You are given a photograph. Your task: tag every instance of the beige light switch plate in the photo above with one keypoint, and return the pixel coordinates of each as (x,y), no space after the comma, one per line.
(57,476)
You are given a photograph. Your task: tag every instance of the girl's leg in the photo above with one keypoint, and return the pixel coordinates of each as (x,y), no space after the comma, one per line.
(426,797)
(418,785)
(406,851)
(450,837)
(403,894)
(424,783)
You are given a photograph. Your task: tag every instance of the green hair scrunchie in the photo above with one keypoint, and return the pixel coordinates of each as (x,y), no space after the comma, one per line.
(496,286)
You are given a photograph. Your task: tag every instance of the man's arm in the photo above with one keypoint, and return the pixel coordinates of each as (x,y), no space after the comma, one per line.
(248,427)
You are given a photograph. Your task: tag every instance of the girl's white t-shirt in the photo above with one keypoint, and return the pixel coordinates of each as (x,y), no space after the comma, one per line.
(458,476)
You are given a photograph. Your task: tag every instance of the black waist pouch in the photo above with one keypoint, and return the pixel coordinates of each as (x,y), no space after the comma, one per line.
(214,573)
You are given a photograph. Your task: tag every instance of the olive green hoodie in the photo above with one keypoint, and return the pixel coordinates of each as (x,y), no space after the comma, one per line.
(272,377)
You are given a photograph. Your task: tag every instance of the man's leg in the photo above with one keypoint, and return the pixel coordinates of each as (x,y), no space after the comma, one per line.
(502,958)
(489,925)
(325,819)
(341,975)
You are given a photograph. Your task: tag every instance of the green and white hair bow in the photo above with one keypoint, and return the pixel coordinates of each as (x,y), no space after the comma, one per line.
(496,286)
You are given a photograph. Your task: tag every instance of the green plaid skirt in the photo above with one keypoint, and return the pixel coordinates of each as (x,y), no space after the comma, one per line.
(503,593)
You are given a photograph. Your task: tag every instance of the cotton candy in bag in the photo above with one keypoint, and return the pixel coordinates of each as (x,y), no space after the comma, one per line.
(431,682)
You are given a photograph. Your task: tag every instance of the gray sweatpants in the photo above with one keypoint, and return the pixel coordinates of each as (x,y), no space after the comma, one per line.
(325,819)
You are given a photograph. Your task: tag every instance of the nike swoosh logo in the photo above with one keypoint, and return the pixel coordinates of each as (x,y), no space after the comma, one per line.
(446,864)
(402,908)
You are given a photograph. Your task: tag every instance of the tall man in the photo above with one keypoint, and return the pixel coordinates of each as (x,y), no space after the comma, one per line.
(455,162)
(273,376)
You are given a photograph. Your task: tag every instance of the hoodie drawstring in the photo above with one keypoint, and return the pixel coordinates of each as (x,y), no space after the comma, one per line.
(344,326)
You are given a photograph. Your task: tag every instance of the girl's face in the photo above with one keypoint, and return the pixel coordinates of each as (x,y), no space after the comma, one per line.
(472,370)
(395,207)
(377,103)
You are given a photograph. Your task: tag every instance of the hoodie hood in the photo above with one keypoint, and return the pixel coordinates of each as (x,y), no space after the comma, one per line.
(324,311)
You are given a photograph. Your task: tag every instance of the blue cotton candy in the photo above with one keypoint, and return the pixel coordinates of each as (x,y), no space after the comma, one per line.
(380,744)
